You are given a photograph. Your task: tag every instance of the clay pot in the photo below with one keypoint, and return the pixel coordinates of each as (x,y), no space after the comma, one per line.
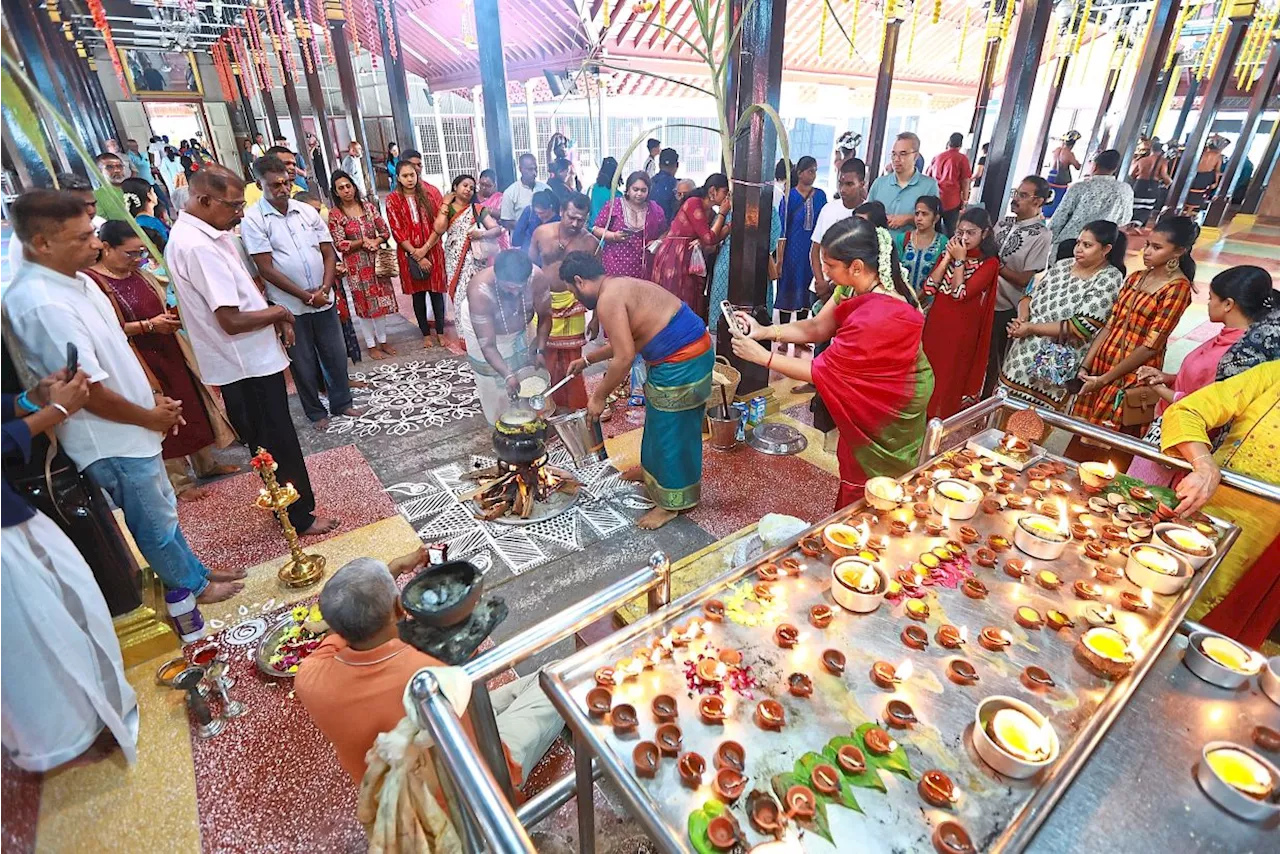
(713,610)
(948,636)
(969,534)
(921,510)
(934,529)
(993,639)
(1095,550)
(1037,678)
(1079,531)
(728,784)
(1108,573)
(820,616)
(1087,590)
(1266,738)
(884,675)
(624,719)
(711,709)
(1028,617)
(709,670)
(962,672)
(599,701)
(691,767)
(800,685)
(1015,567)
(915,637)
(898,528)
(645,758)
(825,779)
(999,543)
(834,661)
(789,566)
(763,592)
(767,571)
(801,802)
(770,715)
(990,505)
(878,741)
(723,832)
(811,546)
(1058,620)
(898,714)
(669,739)
(985,557)
(605,678)
(664,708)
(936,789)
(917,609)
(974,588)
(730,754)
(950,838)
(765,815)
(1048,580)
(1132,602)
(851,760)
(786,635)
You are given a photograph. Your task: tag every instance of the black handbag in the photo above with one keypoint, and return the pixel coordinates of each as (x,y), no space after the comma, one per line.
(416,270)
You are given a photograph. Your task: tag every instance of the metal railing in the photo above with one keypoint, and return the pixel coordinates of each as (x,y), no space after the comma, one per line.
(477,784)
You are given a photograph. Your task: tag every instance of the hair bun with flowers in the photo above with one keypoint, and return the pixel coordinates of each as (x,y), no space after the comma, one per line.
(132,201)
(884,260)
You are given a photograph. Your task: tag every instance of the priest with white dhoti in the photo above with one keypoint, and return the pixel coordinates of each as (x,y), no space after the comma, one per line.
(62,686)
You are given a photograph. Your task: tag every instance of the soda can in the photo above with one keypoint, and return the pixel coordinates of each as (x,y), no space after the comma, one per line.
(756,410)
(740,411)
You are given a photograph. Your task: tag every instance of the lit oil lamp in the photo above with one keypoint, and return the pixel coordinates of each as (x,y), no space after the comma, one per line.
(1016,567)
(1079,531)
(1021,502)
(884,493)
(1014,445)
(879,742)
(711,670)
(1041,536)
(1058,620)
(957,499)
(834,661)
(915,637)
(763,592)
(1028,617)
(645,758)
(731,754)
(790,566)
(1107,573)
(1132,602)
(909,579)
(820,616)
(962,672)
(934,528)
(899,714)
(1221,661)
(1099,615)
(1231,655)
(994,639)
(974,588)
(1018,734)
(1195,546)
(1048,580)
(767,571)
(937,790)
(1242,771)
(1105,652)
(604,677)
(886,676)
(998,543)
(711,709)
(917,609)
(842,540)
(799,684)
(1096,550)
(1090,590)
(770,715)
(691,767)
(898,528)
(1095,476)
(1004,487)
(949,637)
(786,635)
(858,586)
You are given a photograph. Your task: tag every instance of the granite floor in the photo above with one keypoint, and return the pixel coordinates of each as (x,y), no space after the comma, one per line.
(270,782)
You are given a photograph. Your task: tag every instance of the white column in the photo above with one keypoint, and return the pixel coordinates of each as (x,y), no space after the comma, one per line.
(482,146)
(444,157)
(531,119)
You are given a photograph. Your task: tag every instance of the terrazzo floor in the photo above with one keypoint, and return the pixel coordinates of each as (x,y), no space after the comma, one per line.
(270,782)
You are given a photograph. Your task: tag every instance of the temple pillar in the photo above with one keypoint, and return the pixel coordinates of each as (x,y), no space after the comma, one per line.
(880,103)
(1050,106)
(337,21)
(980,103)
(1098,137)
(493,80)
(315,93)
(1161,33)
(1264,89)
(397,79)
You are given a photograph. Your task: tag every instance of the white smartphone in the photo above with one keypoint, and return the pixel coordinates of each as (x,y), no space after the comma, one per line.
(735,326)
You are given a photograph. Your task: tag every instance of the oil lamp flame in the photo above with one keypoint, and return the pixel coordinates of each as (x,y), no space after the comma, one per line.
(904,671)
(864,534)
(1063,526)
(1111,469)
(946,517)
(1146,597)
(1005,636)
(964,634)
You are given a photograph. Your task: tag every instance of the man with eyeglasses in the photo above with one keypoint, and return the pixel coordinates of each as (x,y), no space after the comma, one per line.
(1026,248)
(899,190)
(69,182)
(253,193)
(235,334)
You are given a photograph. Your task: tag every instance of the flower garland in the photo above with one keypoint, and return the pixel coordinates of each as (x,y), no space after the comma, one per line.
(319,29)
(937,11)
(238,51)
(258,51)
(822,28)
(223,66)
(911,38)
(353,28)
(280,36)
(964,34)
(306,44)
(1084,24)
(392,38)
(853,27)
(100,21)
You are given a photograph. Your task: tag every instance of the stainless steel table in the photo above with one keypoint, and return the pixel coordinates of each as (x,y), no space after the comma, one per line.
(1138,792)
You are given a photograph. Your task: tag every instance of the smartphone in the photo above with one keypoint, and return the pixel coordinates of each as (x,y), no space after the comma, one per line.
(736,327)
(73,360)
(1074,385)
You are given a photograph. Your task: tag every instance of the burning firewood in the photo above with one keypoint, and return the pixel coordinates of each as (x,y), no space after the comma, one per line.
(491,513)
(484,473)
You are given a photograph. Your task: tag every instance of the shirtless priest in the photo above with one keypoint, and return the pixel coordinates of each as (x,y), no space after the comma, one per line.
(641,317)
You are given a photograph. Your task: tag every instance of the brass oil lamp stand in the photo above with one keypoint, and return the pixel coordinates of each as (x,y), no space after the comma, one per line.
(302,569)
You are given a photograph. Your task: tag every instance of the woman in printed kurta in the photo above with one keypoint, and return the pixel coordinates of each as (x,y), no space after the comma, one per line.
(1149,306)
(680,264)
(923,245)
(1062,310)
(357,230)
(874,375)
(957,333)
(411,213)
(799,212)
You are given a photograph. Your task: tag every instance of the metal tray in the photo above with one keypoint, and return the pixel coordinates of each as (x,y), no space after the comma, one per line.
(1000,814)
(769,437)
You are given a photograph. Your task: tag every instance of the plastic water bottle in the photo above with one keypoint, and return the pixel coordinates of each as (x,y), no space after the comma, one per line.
(185,614)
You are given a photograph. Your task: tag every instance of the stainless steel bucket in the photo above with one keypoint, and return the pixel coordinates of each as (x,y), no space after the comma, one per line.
(582,436)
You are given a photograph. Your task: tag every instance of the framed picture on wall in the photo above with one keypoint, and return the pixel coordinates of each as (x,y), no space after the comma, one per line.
(161,73)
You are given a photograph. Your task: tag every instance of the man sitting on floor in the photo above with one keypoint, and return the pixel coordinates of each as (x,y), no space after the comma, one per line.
(353,684)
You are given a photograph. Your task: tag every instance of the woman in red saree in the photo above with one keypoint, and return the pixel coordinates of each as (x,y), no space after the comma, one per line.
(957,334)
(411,212)
(874,376)
(680,264)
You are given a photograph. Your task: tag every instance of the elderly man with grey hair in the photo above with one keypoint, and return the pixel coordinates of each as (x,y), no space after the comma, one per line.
(900,188)
(353,684)
(684,187)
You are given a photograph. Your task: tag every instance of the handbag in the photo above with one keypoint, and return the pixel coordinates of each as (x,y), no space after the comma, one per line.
(416,271)
(1138,406)
(384,263)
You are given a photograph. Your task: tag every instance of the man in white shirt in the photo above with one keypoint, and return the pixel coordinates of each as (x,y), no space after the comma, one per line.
(353,165)
(654,147)
(116,439)
(853,191)
(234,332)
(519,195)
(79,186)
(294,252)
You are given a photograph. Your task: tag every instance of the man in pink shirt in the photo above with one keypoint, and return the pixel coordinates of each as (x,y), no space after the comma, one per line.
(952,172)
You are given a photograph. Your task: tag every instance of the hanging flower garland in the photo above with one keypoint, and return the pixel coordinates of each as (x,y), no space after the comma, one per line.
(964,34)
(911,38)
(223,66)
(280,35)
(319,29)
(890,14)
(822,28)
(853,27)
(393,38)
(606,6)
(1084,24)
(353,28)
(1188,11)
(937,11)
(237,51)
(100,21)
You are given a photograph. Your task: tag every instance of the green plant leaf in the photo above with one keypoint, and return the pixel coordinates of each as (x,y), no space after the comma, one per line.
(896,761)
(868,779)
(804,769)
(819,823)
(699,821)
(24,117)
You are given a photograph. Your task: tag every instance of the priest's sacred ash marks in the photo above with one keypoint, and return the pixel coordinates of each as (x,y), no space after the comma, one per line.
(606,505)
(410,397)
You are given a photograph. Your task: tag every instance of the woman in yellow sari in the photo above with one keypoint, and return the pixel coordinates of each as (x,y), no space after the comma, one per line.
(1242,599)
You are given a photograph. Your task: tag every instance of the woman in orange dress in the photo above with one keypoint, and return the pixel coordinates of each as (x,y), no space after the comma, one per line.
(697,226)
(411,212)
(1147,310)
(957,331)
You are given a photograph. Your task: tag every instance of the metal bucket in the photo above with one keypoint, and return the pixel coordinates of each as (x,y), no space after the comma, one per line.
(724,431)
(582,436)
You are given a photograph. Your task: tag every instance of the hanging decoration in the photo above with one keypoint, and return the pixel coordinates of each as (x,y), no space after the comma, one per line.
(1188,11)
(104,26)
(1253,56)
(853,27)
(964,34)
(467,25)
(1208,56)
(1084,23)
(1088,55)
(937,11)
(353,27)
(223,67)
(393,38)
(911,37)
(257,51)
(822,28)
(320,30)
(890,14)
(280,36)
(1008,19)
(607,4)
(662,12)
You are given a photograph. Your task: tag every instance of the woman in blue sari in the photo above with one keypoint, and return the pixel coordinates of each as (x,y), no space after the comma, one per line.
(720,273)
(799,213)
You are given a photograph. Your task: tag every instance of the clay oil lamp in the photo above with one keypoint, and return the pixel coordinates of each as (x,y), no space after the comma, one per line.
(1140,493)
(767,571)
(801,803)
(955,499)
(624,719)
(989,467)
(713,610)
(937,790)
(857,585)
(915,637)
(729,784)
(920,510)
(1095,476)
(917,609)
(1113,533)
(723,832)
(884,493)
(1004,487)
(850,759)
(1239,780)
(790,566)
(711,670)
(898,714)
(766,817)
(951,838)
(800,685)
(729,657)
(1090,590)
(825,778)
(730,754)
(1165,513)
(974,588)
(786,635)
(770,715)
(1014,445)
(1021,502)
(879,742)
(1134,602)
(908,579)
(1099,615)
(1041,536)
(691,766)
(1108,573)
(645,758)
(599,701)
(962,672)
(949,637)
(669,738)
(1048,580)
(1012,737)
(763,592)
(886,676)
(843,540)
(985,557)
(1037,678)
(605,677)
(934,528)
(1028,617)
(1016,567)
(1105,652)
(834,661)
(998,543)
(711,709)
(990,504)
(1079,531)
(1040,484)
(820,616)
(1095,550)
(1267,738)
(811,545)
(664,708)
(994,639)
(898,528)
(968,534)
(1059,487)
(1058,620)
(956,548)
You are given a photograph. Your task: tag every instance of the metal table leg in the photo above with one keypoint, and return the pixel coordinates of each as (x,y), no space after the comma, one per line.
(586,794)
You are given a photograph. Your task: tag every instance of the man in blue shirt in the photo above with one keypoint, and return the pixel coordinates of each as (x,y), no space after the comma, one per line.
(664,183)
(899,190)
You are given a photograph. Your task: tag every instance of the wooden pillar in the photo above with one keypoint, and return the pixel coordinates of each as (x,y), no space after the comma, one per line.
(1161,32)
(269,109)
(980,104)
(1050,106)
(1242,13)
(397,80)
(337,21)
(1098,136)
(493,79)
(1015,102)
(289,87)
(1259,98)
(1266,168)
(880,104)
(755,73)
(246,106)
(1184,112)
(315,94)
(24,22)
(1168,81)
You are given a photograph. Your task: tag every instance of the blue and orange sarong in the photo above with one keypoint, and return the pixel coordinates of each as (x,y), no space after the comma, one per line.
(679,359)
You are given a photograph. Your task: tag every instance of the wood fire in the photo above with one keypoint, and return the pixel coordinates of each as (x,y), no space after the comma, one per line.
(515,488)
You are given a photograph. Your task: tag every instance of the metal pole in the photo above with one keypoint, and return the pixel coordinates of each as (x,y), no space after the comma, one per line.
(880,104)
(1262,175)
(246,105)
(1160,34)
(337,20)
(444,157)
(42,70)
(932,440)
(1015,102)
(1098,140)
(660,594)
(485,724)
(1184,112)
(984,95)
(397,79)
(1050,106)
(1261,96)
(582,772)
(474,784)
(269,111)
(493,76)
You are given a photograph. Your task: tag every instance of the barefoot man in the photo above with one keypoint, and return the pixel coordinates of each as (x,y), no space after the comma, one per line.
(639,316)
(550,243)
(494,318)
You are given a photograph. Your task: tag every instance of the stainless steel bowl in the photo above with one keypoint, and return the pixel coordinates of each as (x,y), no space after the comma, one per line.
(777,439)
(1269,679)
(1225,796)
(1208,669)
